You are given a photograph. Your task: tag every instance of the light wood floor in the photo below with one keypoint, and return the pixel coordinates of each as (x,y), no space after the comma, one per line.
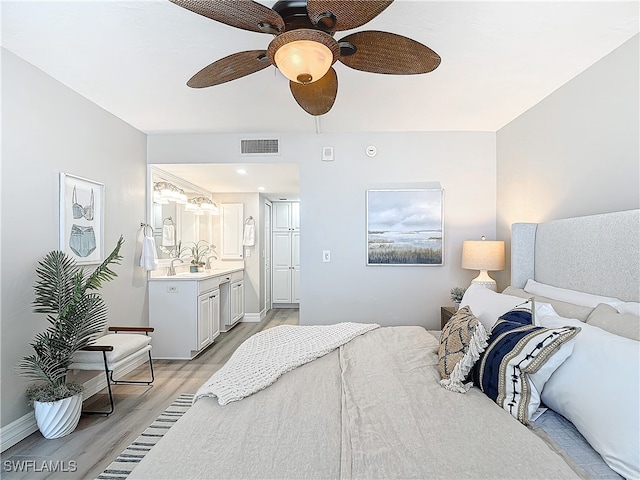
(99,439)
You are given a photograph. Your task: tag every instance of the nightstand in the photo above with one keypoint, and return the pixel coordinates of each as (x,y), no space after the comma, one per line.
(445,315)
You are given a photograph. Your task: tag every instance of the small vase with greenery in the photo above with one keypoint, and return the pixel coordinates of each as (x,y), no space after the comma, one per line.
(77,315)
(456,295)
(199,252)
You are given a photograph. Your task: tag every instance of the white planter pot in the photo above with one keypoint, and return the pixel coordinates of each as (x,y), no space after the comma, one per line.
(57,419)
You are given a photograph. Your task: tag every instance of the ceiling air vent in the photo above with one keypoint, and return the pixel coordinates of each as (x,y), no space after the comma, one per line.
(267,146)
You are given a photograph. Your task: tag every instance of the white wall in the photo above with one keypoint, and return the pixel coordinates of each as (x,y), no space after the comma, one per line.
(48,129)
(576,152)
(332,196)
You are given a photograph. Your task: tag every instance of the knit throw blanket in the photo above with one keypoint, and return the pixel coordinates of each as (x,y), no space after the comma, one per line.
(264,357)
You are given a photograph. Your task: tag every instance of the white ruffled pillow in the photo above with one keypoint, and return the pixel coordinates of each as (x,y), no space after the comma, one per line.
(597,388)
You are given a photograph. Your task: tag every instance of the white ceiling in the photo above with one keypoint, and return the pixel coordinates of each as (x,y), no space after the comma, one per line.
(276,181)
(133,58)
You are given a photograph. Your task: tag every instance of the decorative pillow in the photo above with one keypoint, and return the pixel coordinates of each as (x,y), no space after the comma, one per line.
(596,389)
(632,308)
(607,318)
(463,339)
(564,309)
(567,295)
(519,359)
(488,305)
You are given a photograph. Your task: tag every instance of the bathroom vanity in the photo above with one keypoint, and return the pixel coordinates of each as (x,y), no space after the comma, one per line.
(189,310)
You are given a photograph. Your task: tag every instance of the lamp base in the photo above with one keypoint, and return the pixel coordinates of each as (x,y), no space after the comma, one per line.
(485,280)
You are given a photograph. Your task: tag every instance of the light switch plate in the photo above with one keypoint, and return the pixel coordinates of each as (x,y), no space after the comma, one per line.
(326,256)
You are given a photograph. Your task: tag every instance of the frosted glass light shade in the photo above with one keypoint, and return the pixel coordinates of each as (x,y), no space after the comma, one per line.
(304,61)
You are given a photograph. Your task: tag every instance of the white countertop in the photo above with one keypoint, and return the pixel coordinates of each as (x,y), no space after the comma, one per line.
(215,272)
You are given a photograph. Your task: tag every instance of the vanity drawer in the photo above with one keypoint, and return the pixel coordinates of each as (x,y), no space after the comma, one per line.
(208,285)
(235,276)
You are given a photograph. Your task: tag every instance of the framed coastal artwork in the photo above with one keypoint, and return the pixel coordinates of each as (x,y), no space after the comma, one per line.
(82,219)
(405,227)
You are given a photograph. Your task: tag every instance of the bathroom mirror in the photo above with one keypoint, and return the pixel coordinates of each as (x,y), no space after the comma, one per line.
(173,220)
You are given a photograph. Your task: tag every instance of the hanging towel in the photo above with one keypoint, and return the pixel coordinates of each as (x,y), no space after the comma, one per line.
(249,237)
(149,257)
(168,236)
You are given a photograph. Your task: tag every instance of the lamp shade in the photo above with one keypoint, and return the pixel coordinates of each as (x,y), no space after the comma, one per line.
(483,255)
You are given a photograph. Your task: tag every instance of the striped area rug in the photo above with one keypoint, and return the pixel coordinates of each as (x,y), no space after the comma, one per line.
(122,466)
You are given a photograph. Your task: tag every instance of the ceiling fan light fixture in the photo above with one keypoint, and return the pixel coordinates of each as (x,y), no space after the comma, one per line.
(304,61)
(303,55)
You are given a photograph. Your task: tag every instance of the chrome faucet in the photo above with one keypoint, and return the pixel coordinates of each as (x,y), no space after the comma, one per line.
(208,265)
(172,270)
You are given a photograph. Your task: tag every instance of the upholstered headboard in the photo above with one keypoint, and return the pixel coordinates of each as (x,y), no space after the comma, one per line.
(597,254)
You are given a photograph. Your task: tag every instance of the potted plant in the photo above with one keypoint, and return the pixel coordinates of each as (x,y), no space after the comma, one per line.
(199,252)
(456,296)
(77,314)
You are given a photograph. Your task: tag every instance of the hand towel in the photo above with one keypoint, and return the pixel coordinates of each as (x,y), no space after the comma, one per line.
(149,257)
(249,237)
(168,236)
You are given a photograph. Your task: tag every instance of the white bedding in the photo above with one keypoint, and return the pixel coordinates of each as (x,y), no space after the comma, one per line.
(265,356)
(371,409)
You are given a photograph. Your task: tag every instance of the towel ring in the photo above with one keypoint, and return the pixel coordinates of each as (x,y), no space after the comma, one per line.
(249,221)
(168,219)
(145,226)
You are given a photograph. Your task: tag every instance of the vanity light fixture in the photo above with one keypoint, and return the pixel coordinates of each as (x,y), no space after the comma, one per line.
(200,205)
(165,192)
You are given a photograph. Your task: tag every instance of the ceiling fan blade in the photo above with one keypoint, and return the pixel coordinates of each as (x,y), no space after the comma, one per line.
(245,14)
(382,52)
(317,98)
(336,15)
(230,68)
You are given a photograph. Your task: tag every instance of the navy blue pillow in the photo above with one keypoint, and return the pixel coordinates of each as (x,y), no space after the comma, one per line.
(515,350)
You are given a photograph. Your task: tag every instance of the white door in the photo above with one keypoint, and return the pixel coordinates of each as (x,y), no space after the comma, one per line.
(267,256)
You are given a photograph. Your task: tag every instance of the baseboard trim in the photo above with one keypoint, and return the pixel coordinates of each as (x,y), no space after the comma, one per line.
(251,318)
(18,430)
(21,428)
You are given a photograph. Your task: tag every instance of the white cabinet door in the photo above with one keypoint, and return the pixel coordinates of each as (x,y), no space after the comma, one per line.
(281,216)
(286,267)
(295,267)
(231,231)
(214,305)
(237,301)
(286,216)
(295,216)
(204,321)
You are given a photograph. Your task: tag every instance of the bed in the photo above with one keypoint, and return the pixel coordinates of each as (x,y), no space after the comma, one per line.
(378,406)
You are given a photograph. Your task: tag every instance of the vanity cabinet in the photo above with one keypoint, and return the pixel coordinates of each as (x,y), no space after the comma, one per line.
(189,314)
(231,231)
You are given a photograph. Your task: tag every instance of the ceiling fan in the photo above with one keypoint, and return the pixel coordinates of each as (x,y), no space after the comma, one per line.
(304,49)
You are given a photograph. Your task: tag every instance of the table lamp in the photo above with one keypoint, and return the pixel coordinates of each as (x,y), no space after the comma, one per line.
(483,255)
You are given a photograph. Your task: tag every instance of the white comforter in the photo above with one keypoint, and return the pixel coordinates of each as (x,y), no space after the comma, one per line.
(372,409)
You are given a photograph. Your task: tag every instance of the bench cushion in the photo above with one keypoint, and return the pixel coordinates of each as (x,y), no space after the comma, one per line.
(125,346)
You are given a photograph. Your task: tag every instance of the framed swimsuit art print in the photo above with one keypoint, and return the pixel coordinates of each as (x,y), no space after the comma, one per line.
(82,219)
